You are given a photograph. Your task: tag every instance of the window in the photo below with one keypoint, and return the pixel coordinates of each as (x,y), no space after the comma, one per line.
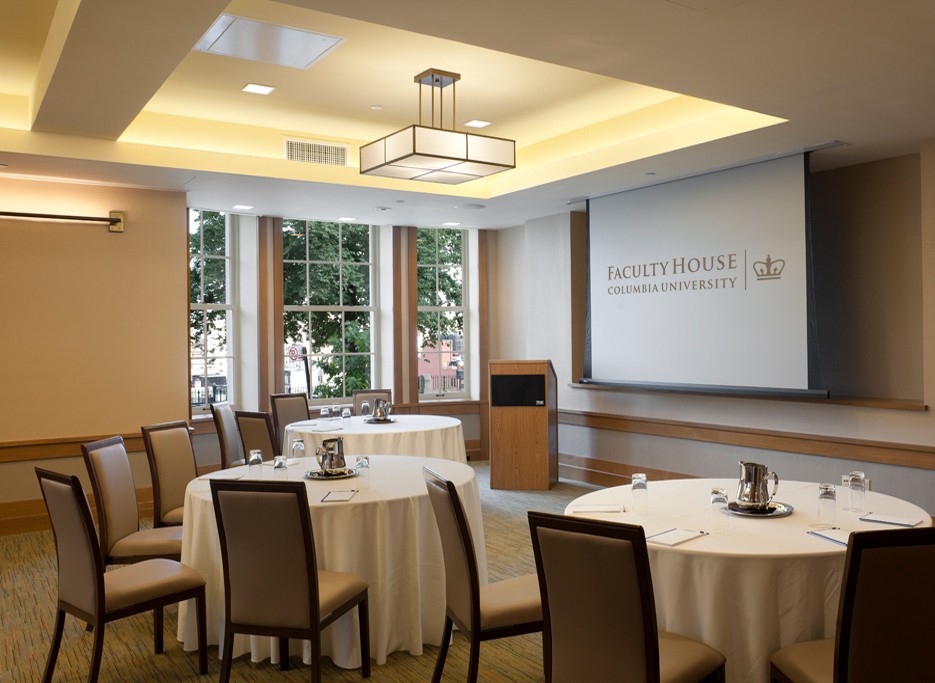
(211,310)
(328,310)
(441,255)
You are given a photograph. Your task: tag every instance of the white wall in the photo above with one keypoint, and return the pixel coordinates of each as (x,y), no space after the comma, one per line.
(530,319)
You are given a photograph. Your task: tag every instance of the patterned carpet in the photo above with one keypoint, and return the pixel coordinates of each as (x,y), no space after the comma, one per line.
(28,591)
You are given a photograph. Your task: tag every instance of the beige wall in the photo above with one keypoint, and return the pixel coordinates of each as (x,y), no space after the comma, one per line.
(531,319)
(868,278)
(94,324)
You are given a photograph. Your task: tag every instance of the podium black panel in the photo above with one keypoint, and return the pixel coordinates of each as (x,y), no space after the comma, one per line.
(517,390)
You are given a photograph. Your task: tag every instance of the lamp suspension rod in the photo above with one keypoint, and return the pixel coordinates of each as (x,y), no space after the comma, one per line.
(60,217)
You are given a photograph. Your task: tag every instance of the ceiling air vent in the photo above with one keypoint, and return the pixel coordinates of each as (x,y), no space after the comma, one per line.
(315,152)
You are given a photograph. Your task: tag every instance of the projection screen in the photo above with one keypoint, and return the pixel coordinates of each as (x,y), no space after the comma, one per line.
(702,281)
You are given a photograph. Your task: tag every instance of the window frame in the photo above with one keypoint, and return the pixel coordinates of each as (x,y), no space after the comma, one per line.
(372,309)
(464,309)
(229,308)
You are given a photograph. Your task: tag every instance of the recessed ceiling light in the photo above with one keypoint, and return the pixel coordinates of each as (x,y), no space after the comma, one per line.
(451,224)
(241,207)
(346,219)
(258,89)
(477,123)
(376,107)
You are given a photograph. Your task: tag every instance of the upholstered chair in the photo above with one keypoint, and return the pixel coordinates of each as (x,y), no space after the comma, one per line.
(298,600)
(884,630)
(598,608)
(481,612)
(232,453)
(118,515)
(97,597)
(171,465)
(287,408)
(256,432)
(369,395)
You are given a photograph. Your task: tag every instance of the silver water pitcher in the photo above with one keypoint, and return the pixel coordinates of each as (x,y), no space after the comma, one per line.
(330,455)
(753,493)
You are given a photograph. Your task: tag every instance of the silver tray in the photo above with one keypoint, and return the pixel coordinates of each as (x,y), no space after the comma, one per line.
(345,473)
(774,509)
(375,421)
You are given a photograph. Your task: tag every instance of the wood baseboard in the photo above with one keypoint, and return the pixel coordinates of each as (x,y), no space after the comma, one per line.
(606,473)
(20,516)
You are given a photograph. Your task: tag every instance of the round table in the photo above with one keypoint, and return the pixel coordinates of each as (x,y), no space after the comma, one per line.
(386,534)
(426,436)
(750,586)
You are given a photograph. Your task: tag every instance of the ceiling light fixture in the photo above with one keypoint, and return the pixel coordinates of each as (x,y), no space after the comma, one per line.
(257,89)
(433,153)
(476,123)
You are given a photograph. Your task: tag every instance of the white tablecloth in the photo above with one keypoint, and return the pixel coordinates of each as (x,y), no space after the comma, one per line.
(751,586)
(386,533)
(427,436)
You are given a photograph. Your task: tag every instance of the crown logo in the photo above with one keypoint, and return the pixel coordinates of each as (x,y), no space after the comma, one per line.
(770,269)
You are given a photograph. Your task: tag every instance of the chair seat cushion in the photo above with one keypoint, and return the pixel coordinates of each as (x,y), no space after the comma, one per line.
(147,580)
(165,541)
(809,662)
(174,517)
(336,588)
(685,660)
(509,602)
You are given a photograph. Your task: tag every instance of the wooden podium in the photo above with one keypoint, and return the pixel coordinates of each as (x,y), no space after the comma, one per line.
(523,425)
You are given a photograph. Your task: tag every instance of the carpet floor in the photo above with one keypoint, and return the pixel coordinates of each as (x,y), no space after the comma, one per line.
(27,605)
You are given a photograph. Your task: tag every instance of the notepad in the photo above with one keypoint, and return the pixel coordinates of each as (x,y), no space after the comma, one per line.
(890,519)
(671,537)
(596,507)
(338,496)
(834,535)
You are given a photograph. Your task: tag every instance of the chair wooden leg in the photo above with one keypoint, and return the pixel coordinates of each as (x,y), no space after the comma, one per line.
(442,651)
(201,616)
(363,618)
(474,660)
(56,642)
(283,654)
(227,656)
(158,624)
(96,653)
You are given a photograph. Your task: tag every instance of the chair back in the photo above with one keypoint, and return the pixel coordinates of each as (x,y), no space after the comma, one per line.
(263,525)
(228,435)
(171,459)
(256,432)
(80,566)
(287,408)
(118,514)
(361,395)
(597,599)
(885,616)
(462,587)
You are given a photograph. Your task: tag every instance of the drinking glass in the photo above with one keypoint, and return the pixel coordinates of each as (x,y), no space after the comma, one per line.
(336,411)
(640,493)
(324,413)
(827,504)
(346,414)
(719,518)
(365,408)
(363,471)
(856,488)
(254,462)
(298,449)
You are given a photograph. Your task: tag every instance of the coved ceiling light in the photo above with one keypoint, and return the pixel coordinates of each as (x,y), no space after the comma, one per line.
(433,153)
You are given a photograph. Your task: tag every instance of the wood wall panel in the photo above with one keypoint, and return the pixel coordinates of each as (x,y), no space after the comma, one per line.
(864,450)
